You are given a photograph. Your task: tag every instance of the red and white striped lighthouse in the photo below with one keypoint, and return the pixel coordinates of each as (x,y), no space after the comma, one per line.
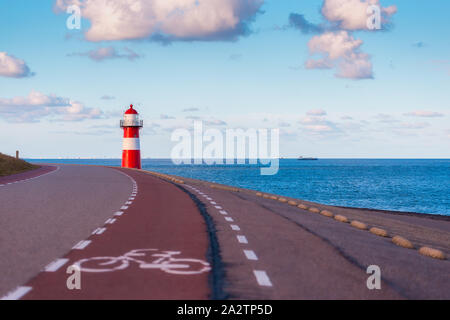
(131,151)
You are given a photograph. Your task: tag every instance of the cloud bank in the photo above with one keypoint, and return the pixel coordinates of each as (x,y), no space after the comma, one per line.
(37,106)
(106,53)
(165,20)
(334,43)
(13,67)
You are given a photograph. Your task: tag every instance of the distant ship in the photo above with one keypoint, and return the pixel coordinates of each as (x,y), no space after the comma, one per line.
(306,158)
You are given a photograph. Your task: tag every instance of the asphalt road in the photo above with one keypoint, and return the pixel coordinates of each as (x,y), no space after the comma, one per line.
(154,239)
(309,256)
(43,218)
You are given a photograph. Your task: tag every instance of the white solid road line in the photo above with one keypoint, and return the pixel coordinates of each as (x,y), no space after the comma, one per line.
(262,278)
(18,293)
(242,239)
(223,212)
(81,245)
(250,254)
(235,227)
(55,265)
(229,219)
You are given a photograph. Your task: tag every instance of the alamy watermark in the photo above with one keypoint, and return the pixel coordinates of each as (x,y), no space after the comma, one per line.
(374,20)
(374,280)
(231,146)
(74,280)
(74,20)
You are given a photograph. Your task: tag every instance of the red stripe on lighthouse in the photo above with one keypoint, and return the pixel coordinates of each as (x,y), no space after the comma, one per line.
(131,159)
(131,132)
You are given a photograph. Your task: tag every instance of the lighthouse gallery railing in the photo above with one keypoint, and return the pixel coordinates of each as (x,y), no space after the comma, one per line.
(131,123)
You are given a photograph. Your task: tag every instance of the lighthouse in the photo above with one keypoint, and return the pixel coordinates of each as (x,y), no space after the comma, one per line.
(131,151)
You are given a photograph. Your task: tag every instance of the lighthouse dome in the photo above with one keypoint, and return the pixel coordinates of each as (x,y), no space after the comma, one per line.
(131,110)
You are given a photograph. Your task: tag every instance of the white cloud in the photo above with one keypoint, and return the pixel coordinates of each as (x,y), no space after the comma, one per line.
(315,122)
(417,125)
(105,53)
(214,122)
(166,117)
(107,97)
(13,67)
(339,49)
(424,113)
(318,64)
(335,43)
(38,105)
(190,110)
(169,19)
(356,66)
(316,112)
(352,14)
(385,118)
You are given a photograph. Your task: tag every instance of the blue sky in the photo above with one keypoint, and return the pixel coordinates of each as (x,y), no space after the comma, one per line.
(397,106)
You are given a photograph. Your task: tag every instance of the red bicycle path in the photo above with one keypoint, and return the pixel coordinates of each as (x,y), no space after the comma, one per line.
(161,216)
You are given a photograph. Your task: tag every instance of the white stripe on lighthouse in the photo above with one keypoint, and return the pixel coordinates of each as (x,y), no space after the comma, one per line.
(131,144)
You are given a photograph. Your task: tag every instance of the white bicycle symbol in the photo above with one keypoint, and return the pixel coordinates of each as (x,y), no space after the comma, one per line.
(163,261)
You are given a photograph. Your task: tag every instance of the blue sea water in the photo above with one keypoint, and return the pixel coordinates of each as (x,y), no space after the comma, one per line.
(412,185)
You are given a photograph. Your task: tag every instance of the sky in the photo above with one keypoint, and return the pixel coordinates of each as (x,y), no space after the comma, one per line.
(311,68)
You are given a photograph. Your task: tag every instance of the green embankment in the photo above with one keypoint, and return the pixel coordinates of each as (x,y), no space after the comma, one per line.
(10,165)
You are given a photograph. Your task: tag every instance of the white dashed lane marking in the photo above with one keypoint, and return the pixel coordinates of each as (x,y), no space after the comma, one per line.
(250,254)
(81,245)
(242,239)
(18,293)
(124,207)
(55,265)
(118,213)
(110,221)
(99,231)
(262,278)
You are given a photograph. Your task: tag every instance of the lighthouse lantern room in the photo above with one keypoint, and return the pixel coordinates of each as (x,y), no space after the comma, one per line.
(131,151)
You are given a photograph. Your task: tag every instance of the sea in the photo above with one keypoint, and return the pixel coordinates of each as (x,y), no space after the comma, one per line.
(408,185)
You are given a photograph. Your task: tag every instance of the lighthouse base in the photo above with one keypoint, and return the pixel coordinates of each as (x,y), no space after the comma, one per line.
(131,159)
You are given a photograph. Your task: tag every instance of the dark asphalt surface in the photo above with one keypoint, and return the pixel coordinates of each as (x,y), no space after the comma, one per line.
(265,249)
(43,218)
(310,256)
